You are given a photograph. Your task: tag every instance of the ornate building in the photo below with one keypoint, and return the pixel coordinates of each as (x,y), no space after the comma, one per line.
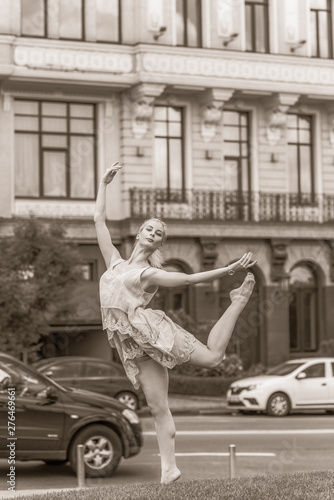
(222,113)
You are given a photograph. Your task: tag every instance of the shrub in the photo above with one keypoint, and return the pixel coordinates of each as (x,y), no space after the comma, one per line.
(199,386)
(253,370)
(231,366)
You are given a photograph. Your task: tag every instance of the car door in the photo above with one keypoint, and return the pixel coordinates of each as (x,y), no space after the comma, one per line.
(38,421)
(313,389)
(331,382)
(104,378)
(66,373)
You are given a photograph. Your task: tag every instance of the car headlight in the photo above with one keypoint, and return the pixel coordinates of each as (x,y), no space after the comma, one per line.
(252,387)
(131,416)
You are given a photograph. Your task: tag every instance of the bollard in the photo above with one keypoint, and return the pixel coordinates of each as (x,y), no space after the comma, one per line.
(80,466)
(232,460)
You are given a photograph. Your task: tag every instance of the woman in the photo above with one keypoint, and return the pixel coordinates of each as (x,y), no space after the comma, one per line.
(148,342)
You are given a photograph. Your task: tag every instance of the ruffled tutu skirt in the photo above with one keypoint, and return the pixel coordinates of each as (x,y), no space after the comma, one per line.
(146,331)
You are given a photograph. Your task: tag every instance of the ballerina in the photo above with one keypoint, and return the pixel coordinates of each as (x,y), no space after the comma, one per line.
(147,341)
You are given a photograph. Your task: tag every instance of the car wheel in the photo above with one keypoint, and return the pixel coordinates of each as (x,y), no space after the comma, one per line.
(55,462)
(102,450)
(278,405)
(129,399)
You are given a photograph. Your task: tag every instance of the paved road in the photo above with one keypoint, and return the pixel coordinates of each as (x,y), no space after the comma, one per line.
(264,446)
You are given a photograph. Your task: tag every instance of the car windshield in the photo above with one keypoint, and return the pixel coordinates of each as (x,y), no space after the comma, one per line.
(284,369)
(24,376)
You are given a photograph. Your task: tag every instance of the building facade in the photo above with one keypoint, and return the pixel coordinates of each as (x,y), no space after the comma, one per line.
(222,114)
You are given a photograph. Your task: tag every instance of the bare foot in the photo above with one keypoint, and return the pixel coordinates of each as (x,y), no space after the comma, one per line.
(170,477)
(242,294)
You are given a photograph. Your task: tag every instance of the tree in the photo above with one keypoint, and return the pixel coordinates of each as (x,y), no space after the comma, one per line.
(38,271)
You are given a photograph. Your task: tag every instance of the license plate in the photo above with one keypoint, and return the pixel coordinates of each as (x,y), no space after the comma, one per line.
(234,399)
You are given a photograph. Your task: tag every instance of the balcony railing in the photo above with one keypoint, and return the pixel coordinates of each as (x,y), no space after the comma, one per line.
(231,206)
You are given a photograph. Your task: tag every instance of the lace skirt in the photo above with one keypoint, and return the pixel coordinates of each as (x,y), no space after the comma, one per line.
(150,332)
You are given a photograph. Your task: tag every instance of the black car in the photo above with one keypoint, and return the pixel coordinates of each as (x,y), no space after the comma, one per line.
(92,374)
(45,421)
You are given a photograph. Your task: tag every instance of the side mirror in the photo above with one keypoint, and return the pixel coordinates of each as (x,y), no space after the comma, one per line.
(47,395)
(301,376)
(5,383)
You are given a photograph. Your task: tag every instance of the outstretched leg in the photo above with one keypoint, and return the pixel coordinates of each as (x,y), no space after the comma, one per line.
(213,353)
(154,381)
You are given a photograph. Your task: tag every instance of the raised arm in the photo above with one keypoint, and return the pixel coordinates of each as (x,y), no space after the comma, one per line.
(108,250)
(157,277)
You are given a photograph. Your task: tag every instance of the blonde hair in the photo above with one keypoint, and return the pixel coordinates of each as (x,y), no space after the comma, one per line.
(156,259)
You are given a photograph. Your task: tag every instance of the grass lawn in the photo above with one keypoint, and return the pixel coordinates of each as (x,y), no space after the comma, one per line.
(317,485)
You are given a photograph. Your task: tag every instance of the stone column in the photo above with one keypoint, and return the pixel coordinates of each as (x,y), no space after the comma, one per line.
(207,294)
(7,155)
(277,306)
(277,340)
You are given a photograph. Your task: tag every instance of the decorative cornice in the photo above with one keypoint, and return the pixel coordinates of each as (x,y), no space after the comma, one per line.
(147,90)
(224,67)
(73,60)
(215,94)
(44,208)
(172,66)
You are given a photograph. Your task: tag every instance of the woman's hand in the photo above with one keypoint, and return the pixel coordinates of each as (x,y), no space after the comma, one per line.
(244,263)
(110,173)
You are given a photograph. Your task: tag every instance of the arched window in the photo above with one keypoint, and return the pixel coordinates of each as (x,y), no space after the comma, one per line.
(176,297)
(303,308)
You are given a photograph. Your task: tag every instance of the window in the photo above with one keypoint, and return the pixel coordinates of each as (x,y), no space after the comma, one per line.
(300,158)
(257,32)
(26,382)
(55,150)
(321,28)
(303,308)
(102,370)
(33,18)
(188,23)
(168,152)
(315,371)
(236,150)
(87,271)
(108,20)
(236,164)
(71,20)
(332,369)
(72,16)
(283,369)
(64,370)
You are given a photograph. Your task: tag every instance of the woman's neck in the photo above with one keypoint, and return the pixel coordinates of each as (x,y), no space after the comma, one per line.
(139,256)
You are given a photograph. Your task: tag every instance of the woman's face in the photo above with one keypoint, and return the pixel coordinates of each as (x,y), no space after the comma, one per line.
(152,234)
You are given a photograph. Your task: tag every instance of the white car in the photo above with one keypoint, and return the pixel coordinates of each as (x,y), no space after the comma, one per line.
(299,384)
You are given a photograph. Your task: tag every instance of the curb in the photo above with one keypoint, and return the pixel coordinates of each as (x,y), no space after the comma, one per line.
(145,412)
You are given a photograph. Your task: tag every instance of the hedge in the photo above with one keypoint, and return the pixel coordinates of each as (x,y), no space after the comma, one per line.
(199,386)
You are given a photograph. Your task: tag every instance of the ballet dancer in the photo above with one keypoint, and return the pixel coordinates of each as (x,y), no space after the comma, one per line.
(149,342)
